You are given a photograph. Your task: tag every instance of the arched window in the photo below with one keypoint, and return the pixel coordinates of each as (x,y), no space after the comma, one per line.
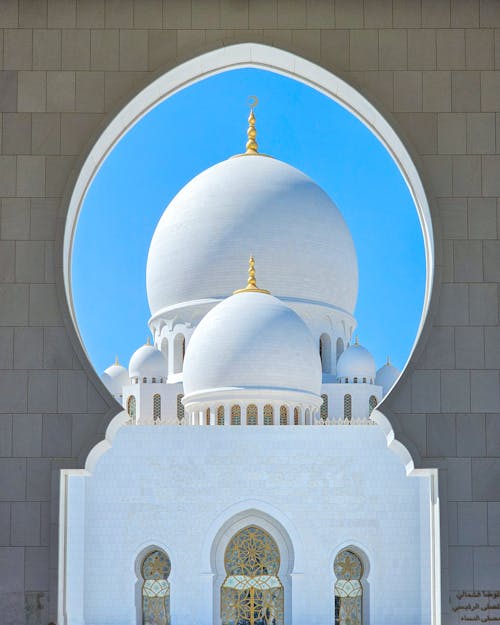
(235,415)
(156,409)
(153,380)
(180,408)
(220,415)
(364,380)
(340,347)
(347,407)
(283,415)
(325,352)
(252,593)
(155,593)
(131,407)
(307,416)
(296,416)
(268,415)
(144,380)
(355,380)
(179,352)
(164,350)
(324,407)
(348,570)
(207,416)
(372,403)
(252,414)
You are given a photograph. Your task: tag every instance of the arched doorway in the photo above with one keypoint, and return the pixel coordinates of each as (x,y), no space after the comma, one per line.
(252,593)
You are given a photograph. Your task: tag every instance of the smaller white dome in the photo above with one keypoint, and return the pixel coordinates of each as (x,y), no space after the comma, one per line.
(387,376)
(252,342)
(115,378)
(356,362)
(147,362)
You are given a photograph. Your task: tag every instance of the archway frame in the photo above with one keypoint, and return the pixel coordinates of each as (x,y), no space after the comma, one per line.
(333,86)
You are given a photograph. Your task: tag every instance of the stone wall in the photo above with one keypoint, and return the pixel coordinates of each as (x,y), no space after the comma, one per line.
(67,66)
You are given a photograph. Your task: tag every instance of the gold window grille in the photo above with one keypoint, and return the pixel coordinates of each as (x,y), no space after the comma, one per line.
(323,413)
(348,570)
(268,415)
(252,414)
(207,416)
(296,416)
(155,571)
(180,408)
(283,415)
(372,403)
(156,408)
(132,407)
(220,415)
(235,415)
(347,407)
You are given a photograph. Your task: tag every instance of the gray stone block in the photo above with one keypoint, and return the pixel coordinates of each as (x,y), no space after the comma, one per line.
(90,14)
(455,391)
(148,13)
(364,50)
(25,530)
(58,352)
(492,347)
(480,49)
(487,567)
(38,480)
(44,308)
(30,261)
(460,570)
(43,219)
(32,92)
(439,171)
(440,349)
(207,15)
(469,347)
(464,13)
(46,133)
(407,91)
(57,170)
(56,436)
(468,261)
(7,261)
(436,14)
(466,91)
(15,216)
(75,49)
(459,479)
(11,570)
(453,305)
(6,348)
(72,387)
(436,91)
(163,46)
(489,13)
(119,13)
(452,133)
(450,45)
(89,90)
(494,522)
(471,434)
(27,435)
(482,218)
(425,391)
(261,13)
(321,14)
(9,16)
(472,523)
(406,14)
(483,304)
(493,435)
(12,480)
(16,133)
(12,390)
(441,435)
(76,128)
(485,391)
(7,175)
(14,299)
(8,90)
(42,391)
(46,49)
(453,213)
(5,435)
(466,175)
(492,261)
(37,568)
(61,13)
(486,479)
(235,14)
(4,524)
(104,49)
(30,176)
(421,49)
(61,91)
(491,179)
(490,91)
(18,50)
(33,13)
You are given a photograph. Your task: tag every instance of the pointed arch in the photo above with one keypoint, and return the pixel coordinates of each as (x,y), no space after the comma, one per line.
(155,588)
(268,415)
(235,415)
(220,415)
(325,352)
(252,414)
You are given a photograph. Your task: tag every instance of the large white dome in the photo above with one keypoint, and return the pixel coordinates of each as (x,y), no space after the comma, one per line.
(252,341)
(252,205)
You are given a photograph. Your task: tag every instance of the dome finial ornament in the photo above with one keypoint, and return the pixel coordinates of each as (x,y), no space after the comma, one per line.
(116,360)
(357,340)
(388,361)
(148,341)
(252,146)
(251,286)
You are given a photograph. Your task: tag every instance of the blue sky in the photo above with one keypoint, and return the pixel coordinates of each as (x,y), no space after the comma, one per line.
(204,124)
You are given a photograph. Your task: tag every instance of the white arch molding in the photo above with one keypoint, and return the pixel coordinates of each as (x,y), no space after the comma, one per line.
(332,86)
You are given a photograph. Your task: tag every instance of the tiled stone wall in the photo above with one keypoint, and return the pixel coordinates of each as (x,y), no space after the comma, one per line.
(67,65)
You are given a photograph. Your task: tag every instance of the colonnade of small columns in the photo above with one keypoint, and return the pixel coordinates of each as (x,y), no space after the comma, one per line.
(270,413)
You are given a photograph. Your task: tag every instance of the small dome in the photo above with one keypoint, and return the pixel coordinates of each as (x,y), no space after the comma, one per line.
(115,378)
(387,376)
(356,362)
(252,341)
(147,362)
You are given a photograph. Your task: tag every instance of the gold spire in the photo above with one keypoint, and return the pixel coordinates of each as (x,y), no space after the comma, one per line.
(252,146)
(251,286)
(357,341)
(116,360)
(388,361)
(148,341)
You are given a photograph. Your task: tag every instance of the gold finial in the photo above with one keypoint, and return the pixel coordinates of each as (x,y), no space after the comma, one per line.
(252,146)
(357,341)
(251,286)
(116,360)
(148,341)
(388,361)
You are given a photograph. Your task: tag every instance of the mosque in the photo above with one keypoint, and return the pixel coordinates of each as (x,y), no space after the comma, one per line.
(310,522)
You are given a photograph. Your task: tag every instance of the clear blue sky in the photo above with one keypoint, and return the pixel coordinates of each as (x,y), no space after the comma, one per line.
(204,124)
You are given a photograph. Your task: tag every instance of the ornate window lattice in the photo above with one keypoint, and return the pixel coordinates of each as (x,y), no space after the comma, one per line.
(324,408)
(283,415)
(296,416)
(372,404)
(155,570)
(180,408)
(268,415)
(132,407)
(347,407)
(252,414)
(220,415)
(348,570)
(252,593)
(207,416)
(156,409)
(235,415)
